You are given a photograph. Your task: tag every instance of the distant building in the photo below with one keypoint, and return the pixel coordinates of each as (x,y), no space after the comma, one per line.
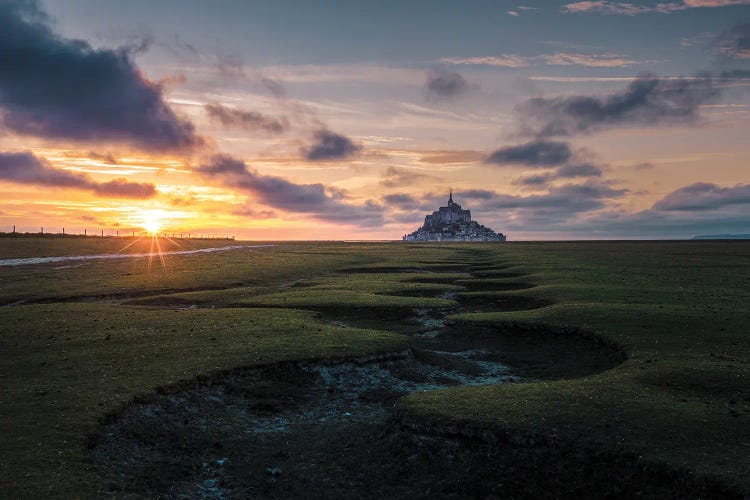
(452,223)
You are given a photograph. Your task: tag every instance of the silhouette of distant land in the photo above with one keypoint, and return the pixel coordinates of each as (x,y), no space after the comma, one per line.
(722,237)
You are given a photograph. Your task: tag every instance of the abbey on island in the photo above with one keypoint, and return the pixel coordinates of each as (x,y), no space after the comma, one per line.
(452,223)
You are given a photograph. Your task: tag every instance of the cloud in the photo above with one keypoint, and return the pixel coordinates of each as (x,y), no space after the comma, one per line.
(535,179)
(606,7)
(105,157)
(400,177)
(547,210)
(592,209)
(588,60)
(59,88)
(579,170)
(25,168)
(121,188)
(248,120)
(735,74)
(505,60)
(451,157)
(321,202)
(534,153)
(647,100)
(631,9)
(606,60)
(703,196)
(567,198)
(714,3)
(328,145)
(254,213)
(442,83)
(700,208)
(569,171)
(735,42)
(402,201)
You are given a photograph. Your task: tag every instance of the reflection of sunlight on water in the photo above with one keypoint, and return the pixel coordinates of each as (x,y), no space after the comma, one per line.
(46,260)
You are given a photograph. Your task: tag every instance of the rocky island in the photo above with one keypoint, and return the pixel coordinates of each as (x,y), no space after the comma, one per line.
(452,223)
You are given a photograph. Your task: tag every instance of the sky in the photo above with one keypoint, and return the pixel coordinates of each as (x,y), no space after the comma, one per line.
(353,119)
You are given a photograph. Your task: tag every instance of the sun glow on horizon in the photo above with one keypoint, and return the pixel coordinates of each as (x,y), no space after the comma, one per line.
(152,221)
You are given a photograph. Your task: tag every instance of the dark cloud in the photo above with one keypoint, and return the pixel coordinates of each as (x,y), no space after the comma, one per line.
(402,201)
(477,194)
(105,157)
(591,209)
(25,168)
(254,213)
(700,208)
(322,202)
(121,188)
(703,196)
(735,42)
(328,145)
(556,211)
(400,177)
(647,100)
(275,87)
(60,88)
(545,211)
(248,120)
(442,83)
(570,171)
(548,211)
(570,198)
(534,153)
(535,179)
(578,170)
(735,74)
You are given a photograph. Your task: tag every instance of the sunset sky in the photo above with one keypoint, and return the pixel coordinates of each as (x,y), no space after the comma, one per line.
(352,119)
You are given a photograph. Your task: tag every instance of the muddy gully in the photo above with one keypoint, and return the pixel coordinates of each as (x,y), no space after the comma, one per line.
(327,429)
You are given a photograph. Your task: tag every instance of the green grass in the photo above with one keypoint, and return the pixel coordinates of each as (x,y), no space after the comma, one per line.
(65,366)
(678,310)
(52,246)
(372,290)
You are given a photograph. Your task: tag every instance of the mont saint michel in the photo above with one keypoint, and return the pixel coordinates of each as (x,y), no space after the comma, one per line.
(452,223)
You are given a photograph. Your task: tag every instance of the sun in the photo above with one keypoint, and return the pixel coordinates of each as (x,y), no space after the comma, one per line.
(151,221)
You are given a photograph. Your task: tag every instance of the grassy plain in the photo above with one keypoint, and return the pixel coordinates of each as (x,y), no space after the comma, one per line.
(90,337)
(679,310)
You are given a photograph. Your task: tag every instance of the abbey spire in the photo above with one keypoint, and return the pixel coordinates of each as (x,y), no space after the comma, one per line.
(452,223)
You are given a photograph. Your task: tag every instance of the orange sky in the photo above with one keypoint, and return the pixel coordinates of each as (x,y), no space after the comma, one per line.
(364,149)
